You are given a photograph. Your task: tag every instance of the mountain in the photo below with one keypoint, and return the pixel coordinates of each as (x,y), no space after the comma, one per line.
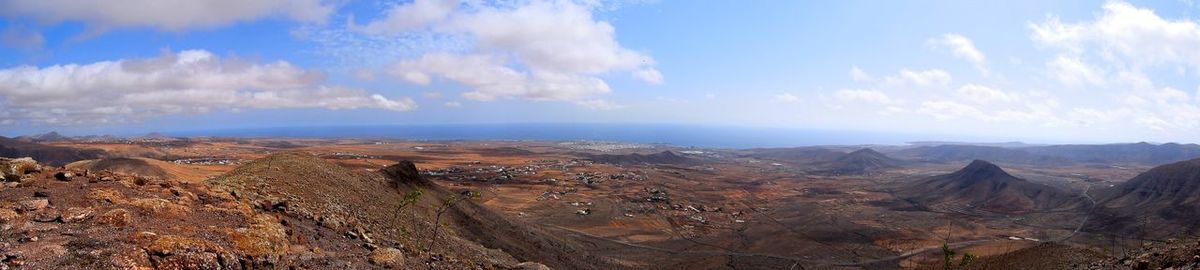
(1145,153)
(860,162)
(1162,200)
(946,153)
(664,157)
(984,186)
(50,137)
(48,154)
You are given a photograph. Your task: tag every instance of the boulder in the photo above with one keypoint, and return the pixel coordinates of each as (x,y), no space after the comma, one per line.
(76,214)
(13,169)
(115,217)
(63,176)
(35,204)
(387,258)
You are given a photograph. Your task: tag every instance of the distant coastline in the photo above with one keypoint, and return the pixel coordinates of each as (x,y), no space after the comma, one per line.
(678,135)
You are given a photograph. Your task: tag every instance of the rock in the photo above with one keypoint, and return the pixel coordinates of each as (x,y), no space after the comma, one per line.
(13,169)
(387,258)
(531,266)
(8,216)
(115,217)
(41,194)
(63,176)
(34,205)
(46,215)
(76,214)
(264,241)
(106,194)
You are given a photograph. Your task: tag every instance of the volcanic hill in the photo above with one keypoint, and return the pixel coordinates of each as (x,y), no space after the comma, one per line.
(1158,202)
(861,161)
(984,186)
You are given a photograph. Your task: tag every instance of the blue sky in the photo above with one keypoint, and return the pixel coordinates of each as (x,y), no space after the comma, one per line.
(1085,71)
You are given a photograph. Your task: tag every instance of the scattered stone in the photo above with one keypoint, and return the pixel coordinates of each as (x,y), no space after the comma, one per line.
(46,215)
(34,205)
(63,176)
(76,214)
(115,217)
(584,212)
(41,194)
(387,258)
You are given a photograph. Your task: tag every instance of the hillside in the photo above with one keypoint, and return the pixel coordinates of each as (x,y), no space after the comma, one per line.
(982,185)
(1156,203)
(307,187)
(1145,153)
(48,154)
(131,166)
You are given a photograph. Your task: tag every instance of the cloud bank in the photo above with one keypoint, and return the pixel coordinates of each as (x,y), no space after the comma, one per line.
(193,81)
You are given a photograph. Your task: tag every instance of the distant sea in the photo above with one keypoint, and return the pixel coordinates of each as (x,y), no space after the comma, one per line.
(678,135)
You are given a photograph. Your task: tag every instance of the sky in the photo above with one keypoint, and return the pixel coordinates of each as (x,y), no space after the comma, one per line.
(1063,71)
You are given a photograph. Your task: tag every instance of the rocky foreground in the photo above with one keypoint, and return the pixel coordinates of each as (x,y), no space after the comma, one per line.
(54,218)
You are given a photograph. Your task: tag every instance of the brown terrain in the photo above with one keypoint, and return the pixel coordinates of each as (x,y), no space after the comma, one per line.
(269,203)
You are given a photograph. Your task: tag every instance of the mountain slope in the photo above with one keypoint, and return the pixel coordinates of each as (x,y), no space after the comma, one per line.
(984,186)
(52,155)
(1162,200)
(306,186)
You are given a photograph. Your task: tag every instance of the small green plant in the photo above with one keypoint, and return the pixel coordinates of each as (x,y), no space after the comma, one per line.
(948,258)
(967,258)
(446,204)
(409,199)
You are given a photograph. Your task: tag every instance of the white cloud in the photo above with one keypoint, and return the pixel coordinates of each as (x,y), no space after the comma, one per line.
(786,98)
(1127,34)
(411,16)
(923,78)
(649,75)
(453,104)
(868,96)
(983,94)
(1073,72)
(194,81)
(859,75)
(961,47)
(432,94)
(540,50)
(168,15)
(491,79)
